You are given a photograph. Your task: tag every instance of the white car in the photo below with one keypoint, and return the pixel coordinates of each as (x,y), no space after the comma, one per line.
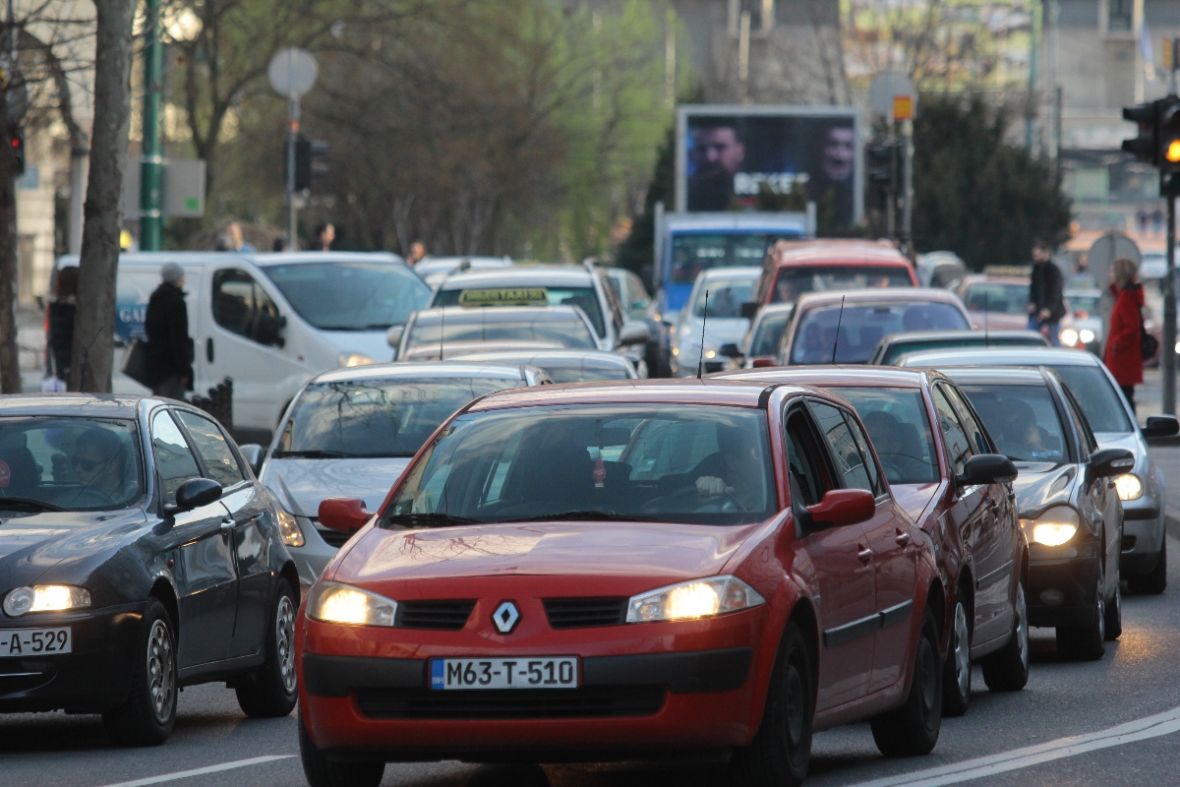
(434,270)
(563,366)
(728,289)
(448,332)
(350,433)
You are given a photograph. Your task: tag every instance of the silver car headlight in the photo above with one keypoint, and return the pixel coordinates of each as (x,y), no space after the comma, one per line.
(45,598)
(693,600)
(1068,336)
(349,360)
(1053,527)
(1086,335)
(1129,486)
(335,602)
(289,529)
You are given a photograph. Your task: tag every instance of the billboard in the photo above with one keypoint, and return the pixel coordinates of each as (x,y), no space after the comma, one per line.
(736,158)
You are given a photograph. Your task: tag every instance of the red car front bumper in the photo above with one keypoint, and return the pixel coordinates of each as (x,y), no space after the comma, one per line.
(365,691)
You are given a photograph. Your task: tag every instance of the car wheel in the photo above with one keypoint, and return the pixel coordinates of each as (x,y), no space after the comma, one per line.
(1114,613)
(780,751)
(1007,668)
(148,715)
(913,728)
(1086,643)
(271,690)
(323,771)
(956,670)
(1155,581)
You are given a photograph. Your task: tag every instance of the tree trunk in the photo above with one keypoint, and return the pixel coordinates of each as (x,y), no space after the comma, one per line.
(90,369)
(9,354)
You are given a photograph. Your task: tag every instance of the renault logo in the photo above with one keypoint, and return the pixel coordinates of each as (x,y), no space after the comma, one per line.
(506,617)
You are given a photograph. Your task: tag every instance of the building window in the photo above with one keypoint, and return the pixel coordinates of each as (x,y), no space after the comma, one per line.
(761,15)
(1118,15)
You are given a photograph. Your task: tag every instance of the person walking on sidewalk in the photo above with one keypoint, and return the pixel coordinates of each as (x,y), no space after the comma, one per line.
(62,311)
(169,348)
(1046,301)
(1123,354)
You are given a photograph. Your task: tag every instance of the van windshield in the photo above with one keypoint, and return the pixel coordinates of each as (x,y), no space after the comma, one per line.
(350,295)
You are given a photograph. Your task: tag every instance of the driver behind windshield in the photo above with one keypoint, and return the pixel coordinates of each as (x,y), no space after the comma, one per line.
(733,471)
(98,461)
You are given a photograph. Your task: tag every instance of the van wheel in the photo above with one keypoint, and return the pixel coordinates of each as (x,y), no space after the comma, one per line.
(322,771)
(1007,668)
(913,728)
(956,671)
(780,751)
(270,691)
(148,715)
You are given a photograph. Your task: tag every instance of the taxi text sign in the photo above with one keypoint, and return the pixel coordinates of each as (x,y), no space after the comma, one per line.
(518,296)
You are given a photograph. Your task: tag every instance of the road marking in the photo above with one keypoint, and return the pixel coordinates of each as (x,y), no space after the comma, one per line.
(1161,724)
(225,766)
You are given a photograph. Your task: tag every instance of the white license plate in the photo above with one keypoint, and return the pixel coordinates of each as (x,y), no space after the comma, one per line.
(35,642)
(541,672)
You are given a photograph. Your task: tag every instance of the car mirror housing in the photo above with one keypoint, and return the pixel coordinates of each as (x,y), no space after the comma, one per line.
(634,332)
(841,507)
(345,515)
(763,363)
(393,337)
(194,493)
(729,350)
(1161,427)
(987,469)
(1110,462)
(749,310)
(252,453)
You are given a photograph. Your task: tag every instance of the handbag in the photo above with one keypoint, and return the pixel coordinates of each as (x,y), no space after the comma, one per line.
(1148,344)
(135,363)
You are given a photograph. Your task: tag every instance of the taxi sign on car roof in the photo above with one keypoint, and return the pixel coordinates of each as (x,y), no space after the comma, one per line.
(514,296)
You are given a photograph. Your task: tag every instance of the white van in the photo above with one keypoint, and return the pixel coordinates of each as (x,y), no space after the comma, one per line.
(270,322)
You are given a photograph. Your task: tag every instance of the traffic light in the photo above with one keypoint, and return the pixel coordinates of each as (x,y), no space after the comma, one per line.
(309,161)
(884,161)
(16,143)
(1144,147)
(1168,135)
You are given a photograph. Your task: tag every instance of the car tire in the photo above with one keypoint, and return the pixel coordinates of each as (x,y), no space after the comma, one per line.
(1155,581)
(913,728)
(324,771)
(270,691)
(1114,613)
(956,670)
(1007,668)
(781,749)
(1086,643)
(149,714)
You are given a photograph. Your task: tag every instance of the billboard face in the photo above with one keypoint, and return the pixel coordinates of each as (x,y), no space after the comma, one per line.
(736,158)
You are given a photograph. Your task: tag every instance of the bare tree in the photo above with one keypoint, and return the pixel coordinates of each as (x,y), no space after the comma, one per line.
(9,358)
(90,369)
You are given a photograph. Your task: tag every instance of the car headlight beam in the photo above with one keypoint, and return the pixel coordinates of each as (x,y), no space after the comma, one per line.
(1053,527)
(334,602)
(1129,486)
(1086,335)
(1068,336)
(693,600)
(45,598)
(289,529)
(349,360)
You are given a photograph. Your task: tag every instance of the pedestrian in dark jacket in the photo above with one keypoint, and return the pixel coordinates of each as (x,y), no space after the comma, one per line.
(1123,354)
(61,321)
(169,349)
(1046,301)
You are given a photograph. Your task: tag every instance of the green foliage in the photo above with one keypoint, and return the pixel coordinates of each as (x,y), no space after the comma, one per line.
(975,193)
(636,252)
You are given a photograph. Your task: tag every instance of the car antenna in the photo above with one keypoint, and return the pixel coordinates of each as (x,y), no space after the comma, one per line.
(704,322)
(839,322)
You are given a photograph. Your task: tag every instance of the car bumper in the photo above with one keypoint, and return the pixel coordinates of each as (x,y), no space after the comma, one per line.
(642,690)
(91,678)
(1143,536)
(1061,584)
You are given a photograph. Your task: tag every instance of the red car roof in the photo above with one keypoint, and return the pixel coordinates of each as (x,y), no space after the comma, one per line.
(671,392)
(859,376)
(841,251)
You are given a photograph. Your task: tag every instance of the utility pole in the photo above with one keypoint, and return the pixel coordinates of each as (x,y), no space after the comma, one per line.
(151,196)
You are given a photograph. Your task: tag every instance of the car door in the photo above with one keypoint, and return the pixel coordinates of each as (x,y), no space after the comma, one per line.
(890,538)
(206,579)
(995,548)
(1100,493)
(844,601)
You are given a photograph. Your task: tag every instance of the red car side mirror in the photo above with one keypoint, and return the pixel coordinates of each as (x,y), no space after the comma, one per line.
(763,363)
(347,516)
(841,507)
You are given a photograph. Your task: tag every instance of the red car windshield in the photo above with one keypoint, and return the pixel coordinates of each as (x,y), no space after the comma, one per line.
(689,464)
(796,280)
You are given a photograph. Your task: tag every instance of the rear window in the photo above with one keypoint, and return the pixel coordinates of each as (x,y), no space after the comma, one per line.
(585,298)
(726,297)
(1100,402)
(566,330)
(769,334)
(861,328)
(793,281)
(898,349)
(1022,419)
(897,423)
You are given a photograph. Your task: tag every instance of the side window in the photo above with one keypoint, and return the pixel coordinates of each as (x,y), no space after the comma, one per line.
(175,463)
(976,434)
(1090,443)
(810,480)
(241,306)
(957,443)
(850,462)
(211,445)
(612,299)
(862,442)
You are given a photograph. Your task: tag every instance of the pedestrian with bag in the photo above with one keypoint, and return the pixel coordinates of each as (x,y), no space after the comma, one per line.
(60,338)
(169,348)
(1046,299)
(1127,343)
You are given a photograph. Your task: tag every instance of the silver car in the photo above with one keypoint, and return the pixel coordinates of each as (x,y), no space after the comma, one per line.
(563,366)
(1144,549)
(350,433)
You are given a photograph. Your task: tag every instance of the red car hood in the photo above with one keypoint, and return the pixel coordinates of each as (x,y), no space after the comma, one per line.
(571,549)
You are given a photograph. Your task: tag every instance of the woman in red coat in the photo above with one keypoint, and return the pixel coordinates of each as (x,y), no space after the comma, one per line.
(1123,355)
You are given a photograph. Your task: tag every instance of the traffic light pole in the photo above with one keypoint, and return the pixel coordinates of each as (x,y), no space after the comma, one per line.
(1168,350)
(292,140)
(151,199)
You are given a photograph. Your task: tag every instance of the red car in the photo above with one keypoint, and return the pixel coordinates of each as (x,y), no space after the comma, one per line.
(794,268)
(919,420)
(610,571)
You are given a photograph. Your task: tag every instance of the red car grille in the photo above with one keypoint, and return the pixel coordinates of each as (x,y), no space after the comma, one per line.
(446,614)
(605,701)
(568,613)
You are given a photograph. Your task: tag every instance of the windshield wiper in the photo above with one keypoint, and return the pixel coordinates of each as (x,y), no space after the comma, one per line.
(313,453)
(430,520)
(578,516)
(27,504)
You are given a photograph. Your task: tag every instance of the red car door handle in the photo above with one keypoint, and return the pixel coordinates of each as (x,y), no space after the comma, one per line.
(903,539)
(865,554)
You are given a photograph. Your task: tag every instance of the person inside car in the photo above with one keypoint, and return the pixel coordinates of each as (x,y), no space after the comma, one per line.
(99,463)
(732,471)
